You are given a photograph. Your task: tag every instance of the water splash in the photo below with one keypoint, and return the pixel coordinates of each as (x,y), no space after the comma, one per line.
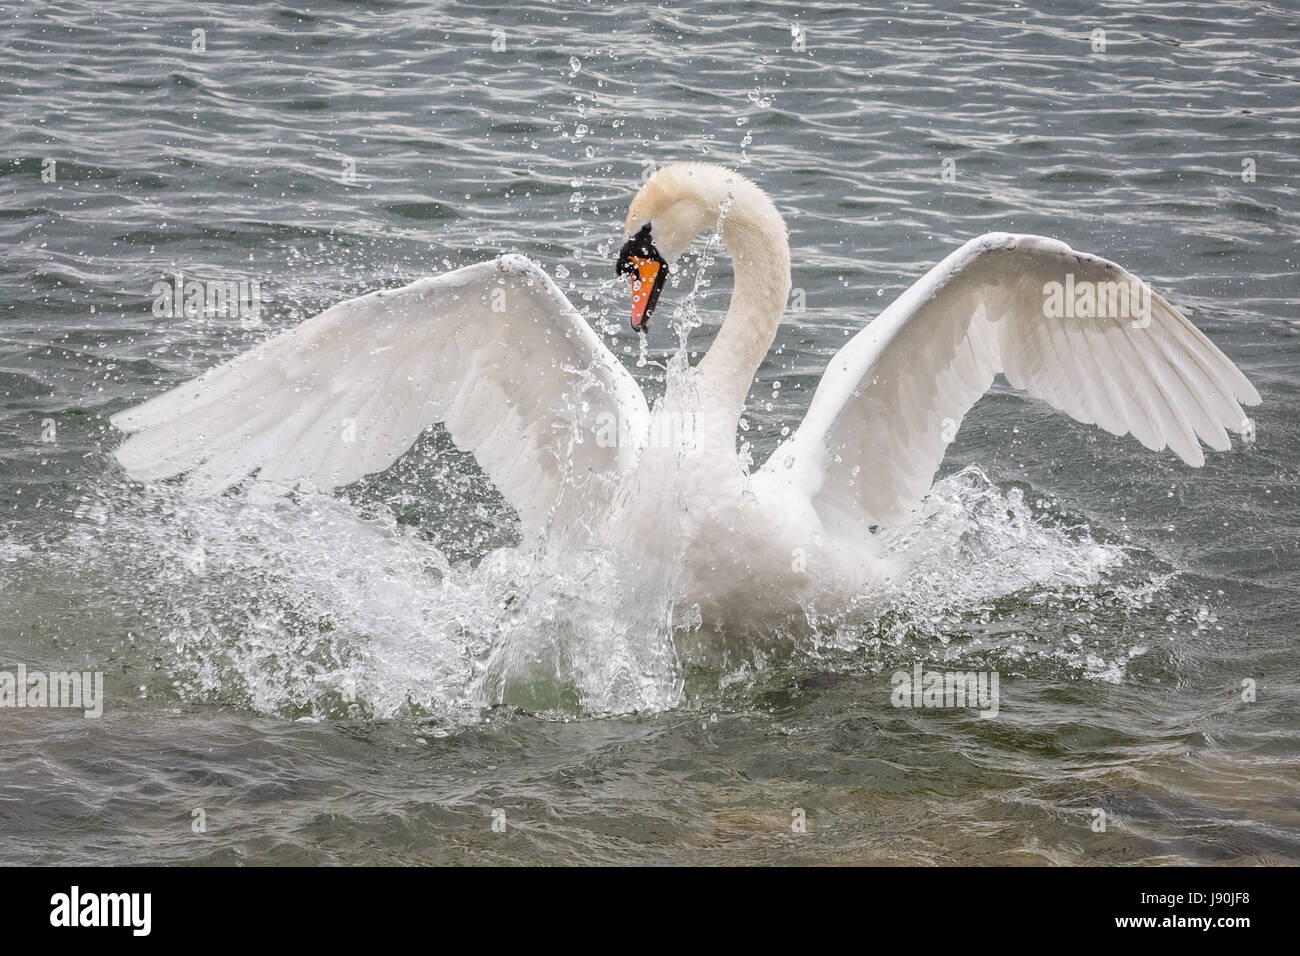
(305,607)
(994,537)
(981,566)
(318,607)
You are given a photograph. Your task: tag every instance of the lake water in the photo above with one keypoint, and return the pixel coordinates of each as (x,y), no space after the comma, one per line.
(312,681)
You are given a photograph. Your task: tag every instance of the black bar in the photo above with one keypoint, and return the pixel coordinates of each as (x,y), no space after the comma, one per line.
(330,906)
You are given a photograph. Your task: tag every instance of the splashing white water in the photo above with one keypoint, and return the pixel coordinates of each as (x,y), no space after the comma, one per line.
(313,607)
(304,607)
(967,523)
(970,547)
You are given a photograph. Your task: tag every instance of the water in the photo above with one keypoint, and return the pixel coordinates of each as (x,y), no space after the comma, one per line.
(366,678)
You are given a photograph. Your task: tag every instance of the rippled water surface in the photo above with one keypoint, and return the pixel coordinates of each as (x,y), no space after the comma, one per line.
(368,677)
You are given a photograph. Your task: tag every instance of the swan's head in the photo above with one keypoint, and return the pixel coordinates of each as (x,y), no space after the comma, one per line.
(675,205)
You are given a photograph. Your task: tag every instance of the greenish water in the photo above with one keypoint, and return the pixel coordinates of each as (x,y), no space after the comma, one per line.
(318,676)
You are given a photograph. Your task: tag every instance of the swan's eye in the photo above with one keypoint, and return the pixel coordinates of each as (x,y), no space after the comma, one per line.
(640,260)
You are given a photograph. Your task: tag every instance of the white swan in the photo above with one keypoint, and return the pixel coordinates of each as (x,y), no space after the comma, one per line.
(497,353)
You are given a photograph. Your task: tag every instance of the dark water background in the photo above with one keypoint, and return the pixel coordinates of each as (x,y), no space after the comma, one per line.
(1123,597)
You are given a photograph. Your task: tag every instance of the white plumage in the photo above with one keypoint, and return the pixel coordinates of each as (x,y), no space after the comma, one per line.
(498,354)
(493,350)
(890,401)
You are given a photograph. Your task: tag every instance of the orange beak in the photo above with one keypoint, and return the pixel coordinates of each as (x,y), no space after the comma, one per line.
(640,261)
(643,285)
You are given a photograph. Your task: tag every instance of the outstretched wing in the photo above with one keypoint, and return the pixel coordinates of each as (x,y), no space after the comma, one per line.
(1098,345)
(494,350)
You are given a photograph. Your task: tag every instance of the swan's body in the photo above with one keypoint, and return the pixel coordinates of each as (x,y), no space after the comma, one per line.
(498,354)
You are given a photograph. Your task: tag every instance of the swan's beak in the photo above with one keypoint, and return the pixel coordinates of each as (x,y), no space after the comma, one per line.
(640,260)
(645,291)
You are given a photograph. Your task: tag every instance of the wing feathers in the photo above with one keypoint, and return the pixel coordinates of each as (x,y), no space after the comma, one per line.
(493,350)
(891,398)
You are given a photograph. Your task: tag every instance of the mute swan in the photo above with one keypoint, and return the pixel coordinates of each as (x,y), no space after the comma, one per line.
(498,354)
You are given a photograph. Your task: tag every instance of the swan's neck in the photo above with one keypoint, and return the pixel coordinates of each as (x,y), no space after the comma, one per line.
(754,234)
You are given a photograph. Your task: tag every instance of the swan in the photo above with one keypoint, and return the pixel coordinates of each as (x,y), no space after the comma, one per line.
(497,354)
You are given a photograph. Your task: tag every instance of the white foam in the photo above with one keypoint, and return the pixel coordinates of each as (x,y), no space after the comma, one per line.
(310,607)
